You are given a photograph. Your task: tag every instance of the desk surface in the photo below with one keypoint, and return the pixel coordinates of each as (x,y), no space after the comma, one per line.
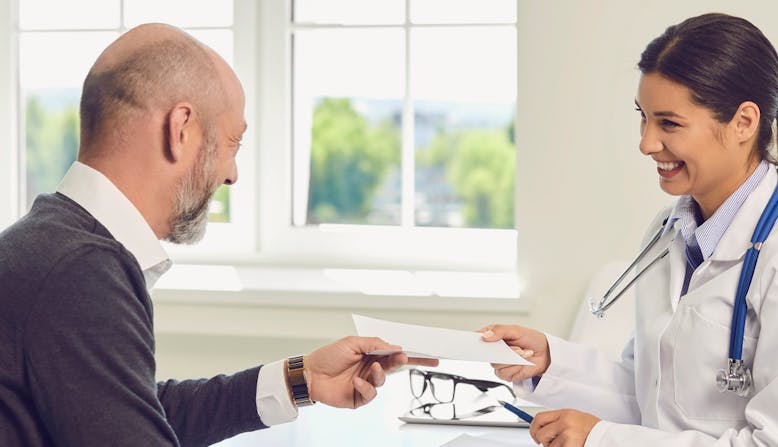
(375,424)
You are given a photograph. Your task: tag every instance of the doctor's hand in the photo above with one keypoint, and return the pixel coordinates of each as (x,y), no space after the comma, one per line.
(343,375)
(562,428)
(528,343)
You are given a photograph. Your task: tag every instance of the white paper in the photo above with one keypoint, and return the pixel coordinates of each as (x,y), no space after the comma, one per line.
(425,341)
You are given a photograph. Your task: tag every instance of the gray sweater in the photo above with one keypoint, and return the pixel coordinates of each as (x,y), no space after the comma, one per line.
(77,346)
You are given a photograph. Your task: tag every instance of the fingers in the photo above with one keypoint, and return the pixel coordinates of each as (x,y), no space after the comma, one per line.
(422,361)
(495,332)
(512,373)
(377,375)
(542,428)
(526,353)
(366,391)
(364,345)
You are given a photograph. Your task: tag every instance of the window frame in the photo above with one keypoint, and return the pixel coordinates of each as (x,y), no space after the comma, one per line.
(366,246)
(261,231)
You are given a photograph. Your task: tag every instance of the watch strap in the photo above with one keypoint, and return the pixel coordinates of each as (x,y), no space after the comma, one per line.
(297,384)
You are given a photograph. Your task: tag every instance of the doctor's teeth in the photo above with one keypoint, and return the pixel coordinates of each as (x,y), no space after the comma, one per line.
(668,166)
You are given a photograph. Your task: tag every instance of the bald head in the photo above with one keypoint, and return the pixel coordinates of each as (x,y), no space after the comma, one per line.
(148,69)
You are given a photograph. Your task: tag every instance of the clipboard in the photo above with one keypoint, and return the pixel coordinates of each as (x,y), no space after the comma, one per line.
(498,418)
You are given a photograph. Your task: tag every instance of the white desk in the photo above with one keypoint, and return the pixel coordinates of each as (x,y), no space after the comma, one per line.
(374,425)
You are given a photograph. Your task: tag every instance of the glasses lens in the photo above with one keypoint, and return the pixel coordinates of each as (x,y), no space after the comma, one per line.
(442,387)
(417,382)
(442,411)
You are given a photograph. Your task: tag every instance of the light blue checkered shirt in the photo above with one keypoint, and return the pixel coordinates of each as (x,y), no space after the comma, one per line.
(708,234)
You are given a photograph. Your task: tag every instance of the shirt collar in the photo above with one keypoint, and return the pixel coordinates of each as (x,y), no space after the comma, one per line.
(105,202)
(707,235)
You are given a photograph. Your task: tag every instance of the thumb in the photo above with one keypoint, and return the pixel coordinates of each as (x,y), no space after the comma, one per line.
(490,335)
(369,344)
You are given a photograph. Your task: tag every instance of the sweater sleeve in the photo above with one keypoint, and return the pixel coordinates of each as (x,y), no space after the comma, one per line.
(89,358)
(205,411)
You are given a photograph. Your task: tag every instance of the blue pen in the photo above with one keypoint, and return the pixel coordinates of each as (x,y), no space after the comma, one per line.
(518,412)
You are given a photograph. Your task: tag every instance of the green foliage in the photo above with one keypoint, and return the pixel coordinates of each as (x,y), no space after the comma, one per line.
(349,160)
(220,205)
(51,139)
(480,165)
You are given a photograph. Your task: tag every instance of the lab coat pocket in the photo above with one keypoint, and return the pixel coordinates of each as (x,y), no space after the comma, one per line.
(701,350)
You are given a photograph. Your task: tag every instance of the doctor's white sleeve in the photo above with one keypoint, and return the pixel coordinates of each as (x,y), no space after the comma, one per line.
(582,377)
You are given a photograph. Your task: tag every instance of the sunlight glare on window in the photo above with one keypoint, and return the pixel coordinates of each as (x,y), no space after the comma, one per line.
(347,12)
(350,103)
(181,13)
(464,111)
(62,15)
(463,11)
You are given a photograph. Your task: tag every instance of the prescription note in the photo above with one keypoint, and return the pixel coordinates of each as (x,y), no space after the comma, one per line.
(433,342)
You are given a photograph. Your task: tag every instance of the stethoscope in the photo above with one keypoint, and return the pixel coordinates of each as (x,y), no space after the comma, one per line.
(736,377)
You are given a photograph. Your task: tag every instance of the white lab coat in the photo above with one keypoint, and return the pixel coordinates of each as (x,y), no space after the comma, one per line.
(663,392)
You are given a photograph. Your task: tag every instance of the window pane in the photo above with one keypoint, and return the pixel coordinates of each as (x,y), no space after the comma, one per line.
(58,14)
(463,11)
(348,89)
(181,13)
(464,111)
(349,12)
(52,69)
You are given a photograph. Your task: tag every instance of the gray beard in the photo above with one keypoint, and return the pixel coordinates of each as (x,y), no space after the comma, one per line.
(193,196)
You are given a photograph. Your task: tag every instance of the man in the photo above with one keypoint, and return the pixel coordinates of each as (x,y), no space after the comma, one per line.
(161,122)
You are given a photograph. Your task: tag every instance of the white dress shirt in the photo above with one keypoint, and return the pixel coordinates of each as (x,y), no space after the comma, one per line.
(105,202)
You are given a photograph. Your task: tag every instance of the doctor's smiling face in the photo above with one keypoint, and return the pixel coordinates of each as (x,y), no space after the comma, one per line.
(695,153)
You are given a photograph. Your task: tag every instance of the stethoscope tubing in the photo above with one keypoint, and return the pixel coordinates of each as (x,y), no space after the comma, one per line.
(763,228)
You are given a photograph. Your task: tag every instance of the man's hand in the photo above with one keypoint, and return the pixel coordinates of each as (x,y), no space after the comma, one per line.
(343,375)
(562,428)
(528,343)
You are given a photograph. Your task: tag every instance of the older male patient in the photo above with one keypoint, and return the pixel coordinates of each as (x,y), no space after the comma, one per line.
(161,122)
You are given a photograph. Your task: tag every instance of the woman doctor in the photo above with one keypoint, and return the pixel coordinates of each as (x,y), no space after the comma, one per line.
(707,99)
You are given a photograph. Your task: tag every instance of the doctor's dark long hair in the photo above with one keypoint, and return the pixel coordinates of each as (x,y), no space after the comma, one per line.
(724,61)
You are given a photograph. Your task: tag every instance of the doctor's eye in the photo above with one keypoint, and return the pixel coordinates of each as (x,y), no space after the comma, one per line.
(670,124)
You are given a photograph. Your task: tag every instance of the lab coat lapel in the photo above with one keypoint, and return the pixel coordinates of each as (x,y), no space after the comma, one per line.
(677,260)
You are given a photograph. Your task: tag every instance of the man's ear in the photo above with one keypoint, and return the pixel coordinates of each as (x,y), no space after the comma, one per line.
(179,129)
(746,121)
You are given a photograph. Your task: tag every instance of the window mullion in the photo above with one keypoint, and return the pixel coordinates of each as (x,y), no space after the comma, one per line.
(408,159)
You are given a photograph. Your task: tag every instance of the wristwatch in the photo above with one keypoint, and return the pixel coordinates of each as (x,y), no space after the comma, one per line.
(295,372)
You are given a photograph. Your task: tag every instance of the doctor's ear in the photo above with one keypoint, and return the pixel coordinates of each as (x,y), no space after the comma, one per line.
(746,121)
(179,130)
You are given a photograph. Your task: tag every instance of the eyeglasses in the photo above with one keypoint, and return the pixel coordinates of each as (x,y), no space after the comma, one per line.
(448,411)
(443,385)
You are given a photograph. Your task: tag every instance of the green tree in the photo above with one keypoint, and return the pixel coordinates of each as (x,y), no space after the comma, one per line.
(349,161)
(52,140)
(480,166)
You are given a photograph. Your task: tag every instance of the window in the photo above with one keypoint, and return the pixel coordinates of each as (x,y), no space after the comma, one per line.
(380,133)
(403,112)
(391,125)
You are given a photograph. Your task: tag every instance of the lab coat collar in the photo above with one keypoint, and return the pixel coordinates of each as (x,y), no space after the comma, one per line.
(105,202)
(734,242)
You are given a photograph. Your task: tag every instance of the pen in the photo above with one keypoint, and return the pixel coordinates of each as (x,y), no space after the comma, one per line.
(518,412)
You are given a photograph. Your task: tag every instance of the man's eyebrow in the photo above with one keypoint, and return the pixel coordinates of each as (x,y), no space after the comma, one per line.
(661,114)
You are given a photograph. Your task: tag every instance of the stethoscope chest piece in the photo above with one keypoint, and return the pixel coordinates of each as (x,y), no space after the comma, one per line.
(737,378)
